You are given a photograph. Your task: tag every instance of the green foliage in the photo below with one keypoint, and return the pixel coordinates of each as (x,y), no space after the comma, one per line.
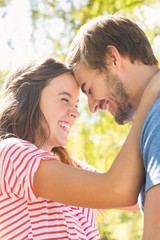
(119,224)
(99,138)
(3,74)
(4,2)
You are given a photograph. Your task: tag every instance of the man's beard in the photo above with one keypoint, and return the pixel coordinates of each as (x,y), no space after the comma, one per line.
(124,114)
(125,110)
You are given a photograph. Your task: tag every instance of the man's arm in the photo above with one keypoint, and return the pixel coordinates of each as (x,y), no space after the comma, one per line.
(152,214)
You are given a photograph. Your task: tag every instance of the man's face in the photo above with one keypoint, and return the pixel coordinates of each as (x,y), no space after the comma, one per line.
(105,91)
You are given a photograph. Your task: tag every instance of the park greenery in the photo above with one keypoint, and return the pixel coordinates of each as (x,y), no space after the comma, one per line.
(95,138)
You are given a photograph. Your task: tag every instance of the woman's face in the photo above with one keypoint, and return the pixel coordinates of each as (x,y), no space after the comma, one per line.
(58,104)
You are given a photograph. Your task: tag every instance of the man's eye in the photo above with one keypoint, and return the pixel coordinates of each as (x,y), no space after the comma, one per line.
(90,91)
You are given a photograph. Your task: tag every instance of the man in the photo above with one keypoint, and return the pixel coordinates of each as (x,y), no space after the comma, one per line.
(113,63)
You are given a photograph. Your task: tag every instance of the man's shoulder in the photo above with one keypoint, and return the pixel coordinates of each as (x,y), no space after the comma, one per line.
(155,108)
(153,116)
(151,129)
(150,147)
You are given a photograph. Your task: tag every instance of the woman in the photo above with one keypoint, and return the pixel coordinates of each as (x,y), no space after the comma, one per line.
(40,182)
(39,108)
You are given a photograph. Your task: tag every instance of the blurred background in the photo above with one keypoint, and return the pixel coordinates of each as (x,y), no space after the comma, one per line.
(42,28)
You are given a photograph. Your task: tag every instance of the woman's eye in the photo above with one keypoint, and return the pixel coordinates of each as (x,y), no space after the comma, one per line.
(65,99)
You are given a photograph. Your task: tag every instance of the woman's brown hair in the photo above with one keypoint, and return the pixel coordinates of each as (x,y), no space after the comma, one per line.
(20,114)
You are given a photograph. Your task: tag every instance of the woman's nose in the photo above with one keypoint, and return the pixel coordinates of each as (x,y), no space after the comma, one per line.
(74,112)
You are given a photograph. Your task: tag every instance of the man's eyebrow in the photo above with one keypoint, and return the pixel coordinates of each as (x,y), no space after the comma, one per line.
(83,87)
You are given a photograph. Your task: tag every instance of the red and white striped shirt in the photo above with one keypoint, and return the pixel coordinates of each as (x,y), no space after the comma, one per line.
(22,214)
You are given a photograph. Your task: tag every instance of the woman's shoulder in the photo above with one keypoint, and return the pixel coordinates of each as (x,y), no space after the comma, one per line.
(19,146)
(14,141)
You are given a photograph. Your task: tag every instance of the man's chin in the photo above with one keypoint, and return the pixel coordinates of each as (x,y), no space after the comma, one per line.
(122,121)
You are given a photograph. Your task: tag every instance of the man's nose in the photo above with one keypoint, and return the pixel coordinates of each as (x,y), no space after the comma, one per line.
(93,105)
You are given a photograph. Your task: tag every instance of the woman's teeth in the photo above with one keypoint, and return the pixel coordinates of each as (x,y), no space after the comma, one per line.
(64,125)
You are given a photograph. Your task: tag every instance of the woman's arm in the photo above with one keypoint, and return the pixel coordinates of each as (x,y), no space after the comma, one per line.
(118,187)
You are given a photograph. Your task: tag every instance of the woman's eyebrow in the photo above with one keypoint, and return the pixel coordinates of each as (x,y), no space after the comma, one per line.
(65,93)
(68,94)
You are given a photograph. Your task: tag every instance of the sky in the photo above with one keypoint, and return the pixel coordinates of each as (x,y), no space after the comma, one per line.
(14,31)
(17,39)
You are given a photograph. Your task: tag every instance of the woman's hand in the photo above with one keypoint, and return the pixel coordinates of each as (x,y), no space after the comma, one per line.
(154,86)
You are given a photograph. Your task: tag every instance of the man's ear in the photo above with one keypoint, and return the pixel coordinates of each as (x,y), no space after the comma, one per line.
(113,56)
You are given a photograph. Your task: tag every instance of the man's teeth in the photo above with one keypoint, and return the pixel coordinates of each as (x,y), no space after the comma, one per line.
(64,125)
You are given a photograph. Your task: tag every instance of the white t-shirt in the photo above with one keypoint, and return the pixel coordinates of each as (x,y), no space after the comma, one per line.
(22,214)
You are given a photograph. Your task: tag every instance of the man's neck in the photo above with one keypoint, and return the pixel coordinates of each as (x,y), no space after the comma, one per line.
(144,75)
(139,75)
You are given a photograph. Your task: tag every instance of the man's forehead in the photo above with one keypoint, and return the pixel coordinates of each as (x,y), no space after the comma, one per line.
(83,74)
(78,75)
